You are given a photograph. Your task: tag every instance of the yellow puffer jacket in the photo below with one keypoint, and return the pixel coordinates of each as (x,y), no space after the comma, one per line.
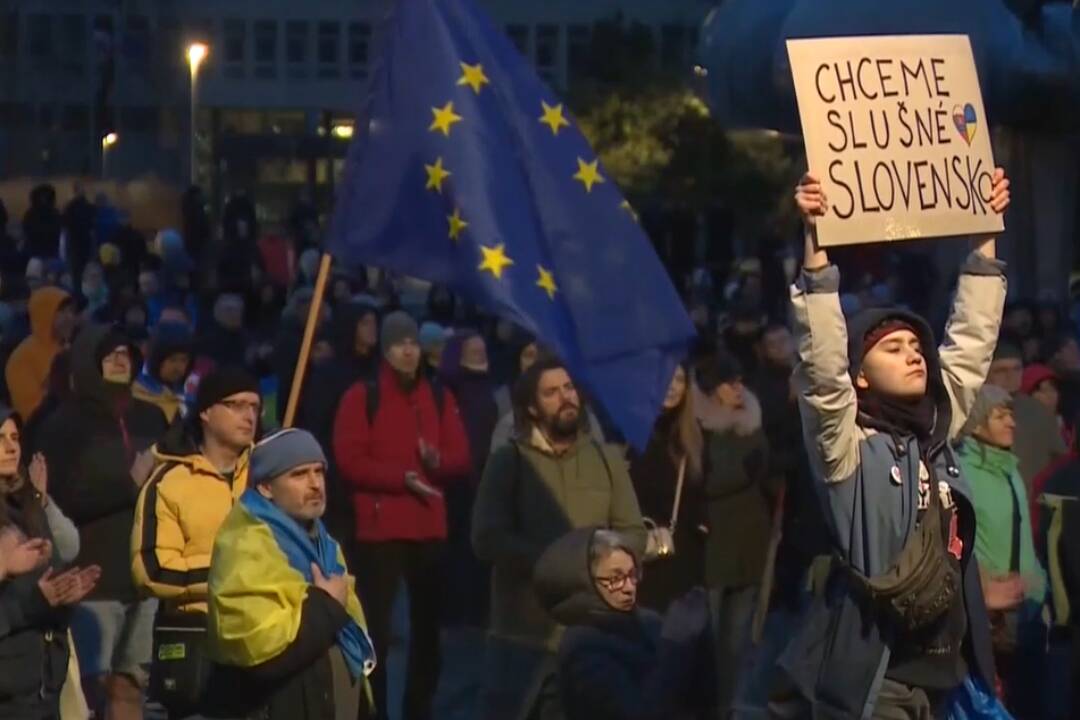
(179,512)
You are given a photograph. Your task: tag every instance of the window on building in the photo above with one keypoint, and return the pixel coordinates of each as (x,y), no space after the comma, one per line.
(359,48)
(547,52)
(73,43)
(266,49)
(39,29)
(46,117)
(296,48)
(673,46)
(137,42)
(235,36)
(519,35)
(329,49)
(579,50)
(9,37)
(75,119)
(286,122)
(167,49)
(139,119)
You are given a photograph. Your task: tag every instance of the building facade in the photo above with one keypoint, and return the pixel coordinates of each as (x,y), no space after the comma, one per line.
(274,99)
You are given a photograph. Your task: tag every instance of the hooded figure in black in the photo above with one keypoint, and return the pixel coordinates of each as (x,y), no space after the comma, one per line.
(354,333)
(94,445)
(91,443)
(616,660)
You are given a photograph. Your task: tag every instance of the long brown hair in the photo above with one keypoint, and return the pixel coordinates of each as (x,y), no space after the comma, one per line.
(19,489)
(685,438)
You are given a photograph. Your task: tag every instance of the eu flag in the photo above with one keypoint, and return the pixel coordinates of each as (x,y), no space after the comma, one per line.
(469,172)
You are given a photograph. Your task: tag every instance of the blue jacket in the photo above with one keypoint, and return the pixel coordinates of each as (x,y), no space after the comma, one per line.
(838,657)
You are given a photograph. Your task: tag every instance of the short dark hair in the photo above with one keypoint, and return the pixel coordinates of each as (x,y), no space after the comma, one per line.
(714,370)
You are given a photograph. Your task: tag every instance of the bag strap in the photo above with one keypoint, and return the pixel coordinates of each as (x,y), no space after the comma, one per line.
(1014,553)
(678,495)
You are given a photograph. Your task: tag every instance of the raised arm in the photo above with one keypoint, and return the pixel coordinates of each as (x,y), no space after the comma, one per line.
(972,331)
(827,398)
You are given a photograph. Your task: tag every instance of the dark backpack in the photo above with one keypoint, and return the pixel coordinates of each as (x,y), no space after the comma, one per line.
(371,385)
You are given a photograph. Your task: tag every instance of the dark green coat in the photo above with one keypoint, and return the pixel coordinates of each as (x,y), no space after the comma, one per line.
(740,494)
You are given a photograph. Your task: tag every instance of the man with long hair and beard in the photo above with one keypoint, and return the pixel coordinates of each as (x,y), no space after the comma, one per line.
(551,479)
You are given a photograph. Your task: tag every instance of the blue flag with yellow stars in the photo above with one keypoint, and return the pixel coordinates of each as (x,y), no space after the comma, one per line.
(469,172)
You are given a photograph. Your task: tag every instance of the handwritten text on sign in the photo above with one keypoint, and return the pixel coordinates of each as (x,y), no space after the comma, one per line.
(895,130)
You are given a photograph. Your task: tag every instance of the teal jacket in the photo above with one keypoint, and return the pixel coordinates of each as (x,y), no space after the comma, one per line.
(994,476)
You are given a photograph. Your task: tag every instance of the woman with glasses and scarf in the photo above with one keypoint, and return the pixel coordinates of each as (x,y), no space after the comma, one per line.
(618,661)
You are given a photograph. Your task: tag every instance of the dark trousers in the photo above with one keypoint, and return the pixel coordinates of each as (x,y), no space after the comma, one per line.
(379,568)
(732,614)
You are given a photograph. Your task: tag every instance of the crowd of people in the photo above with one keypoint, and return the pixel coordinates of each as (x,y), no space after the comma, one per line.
(775,550)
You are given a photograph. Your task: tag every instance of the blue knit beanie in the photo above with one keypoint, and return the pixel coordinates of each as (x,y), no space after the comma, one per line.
(280,452)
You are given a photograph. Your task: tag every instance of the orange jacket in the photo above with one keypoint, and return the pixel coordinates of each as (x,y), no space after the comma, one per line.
(28,367)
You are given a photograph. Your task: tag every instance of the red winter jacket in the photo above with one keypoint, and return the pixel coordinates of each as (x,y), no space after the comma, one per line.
(373,459)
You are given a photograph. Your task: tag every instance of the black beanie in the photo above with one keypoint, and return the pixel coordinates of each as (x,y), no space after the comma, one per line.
(222,383)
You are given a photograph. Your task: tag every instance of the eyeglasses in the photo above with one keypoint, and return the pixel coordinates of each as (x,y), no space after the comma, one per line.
(240,407)
(121,353)
(618,582)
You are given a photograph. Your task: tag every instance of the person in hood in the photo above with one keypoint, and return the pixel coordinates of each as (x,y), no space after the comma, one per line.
(353,336)
(162,379)
(465,372)
(52,324)
(59,390)
(618,661)
(95,445)
(880,405)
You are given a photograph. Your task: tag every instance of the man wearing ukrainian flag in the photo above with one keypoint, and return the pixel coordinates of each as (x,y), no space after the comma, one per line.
(285,625)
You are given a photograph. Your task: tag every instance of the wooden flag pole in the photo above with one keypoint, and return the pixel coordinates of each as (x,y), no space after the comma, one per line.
(309,338)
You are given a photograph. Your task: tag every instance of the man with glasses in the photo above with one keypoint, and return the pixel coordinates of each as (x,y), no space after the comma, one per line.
(202,471)
(95,445)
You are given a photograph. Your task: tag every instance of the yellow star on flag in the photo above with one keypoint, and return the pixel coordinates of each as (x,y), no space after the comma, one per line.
(553,117)
(495,260)
(588,174)
(547,282)
(473,76)
(436,174)
(457,225)
(445,117)
(625,205)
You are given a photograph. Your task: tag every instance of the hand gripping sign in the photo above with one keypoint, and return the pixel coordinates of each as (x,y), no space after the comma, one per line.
(895,130)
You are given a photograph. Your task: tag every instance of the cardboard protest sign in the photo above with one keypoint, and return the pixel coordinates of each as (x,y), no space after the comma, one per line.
(896,132)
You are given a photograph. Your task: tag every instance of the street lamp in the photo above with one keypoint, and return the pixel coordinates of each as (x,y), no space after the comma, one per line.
(196,53)
(107,141)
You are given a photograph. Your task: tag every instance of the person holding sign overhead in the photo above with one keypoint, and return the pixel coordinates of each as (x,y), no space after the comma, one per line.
(901,622)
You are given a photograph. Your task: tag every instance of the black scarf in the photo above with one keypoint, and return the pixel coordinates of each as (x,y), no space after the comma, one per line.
(899,417)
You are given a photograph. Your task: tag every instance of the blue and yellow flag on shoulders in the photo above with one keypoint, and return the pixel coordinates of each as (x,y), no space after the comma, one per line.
(467,171)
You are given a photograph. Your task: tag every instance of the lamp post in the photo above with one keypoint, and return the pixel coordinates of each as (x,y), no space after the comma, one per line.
(196,53)
(107,141)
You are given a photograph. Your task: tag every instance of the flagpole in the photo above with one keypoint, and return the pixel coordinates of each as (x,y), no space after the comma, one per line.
(309,337)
